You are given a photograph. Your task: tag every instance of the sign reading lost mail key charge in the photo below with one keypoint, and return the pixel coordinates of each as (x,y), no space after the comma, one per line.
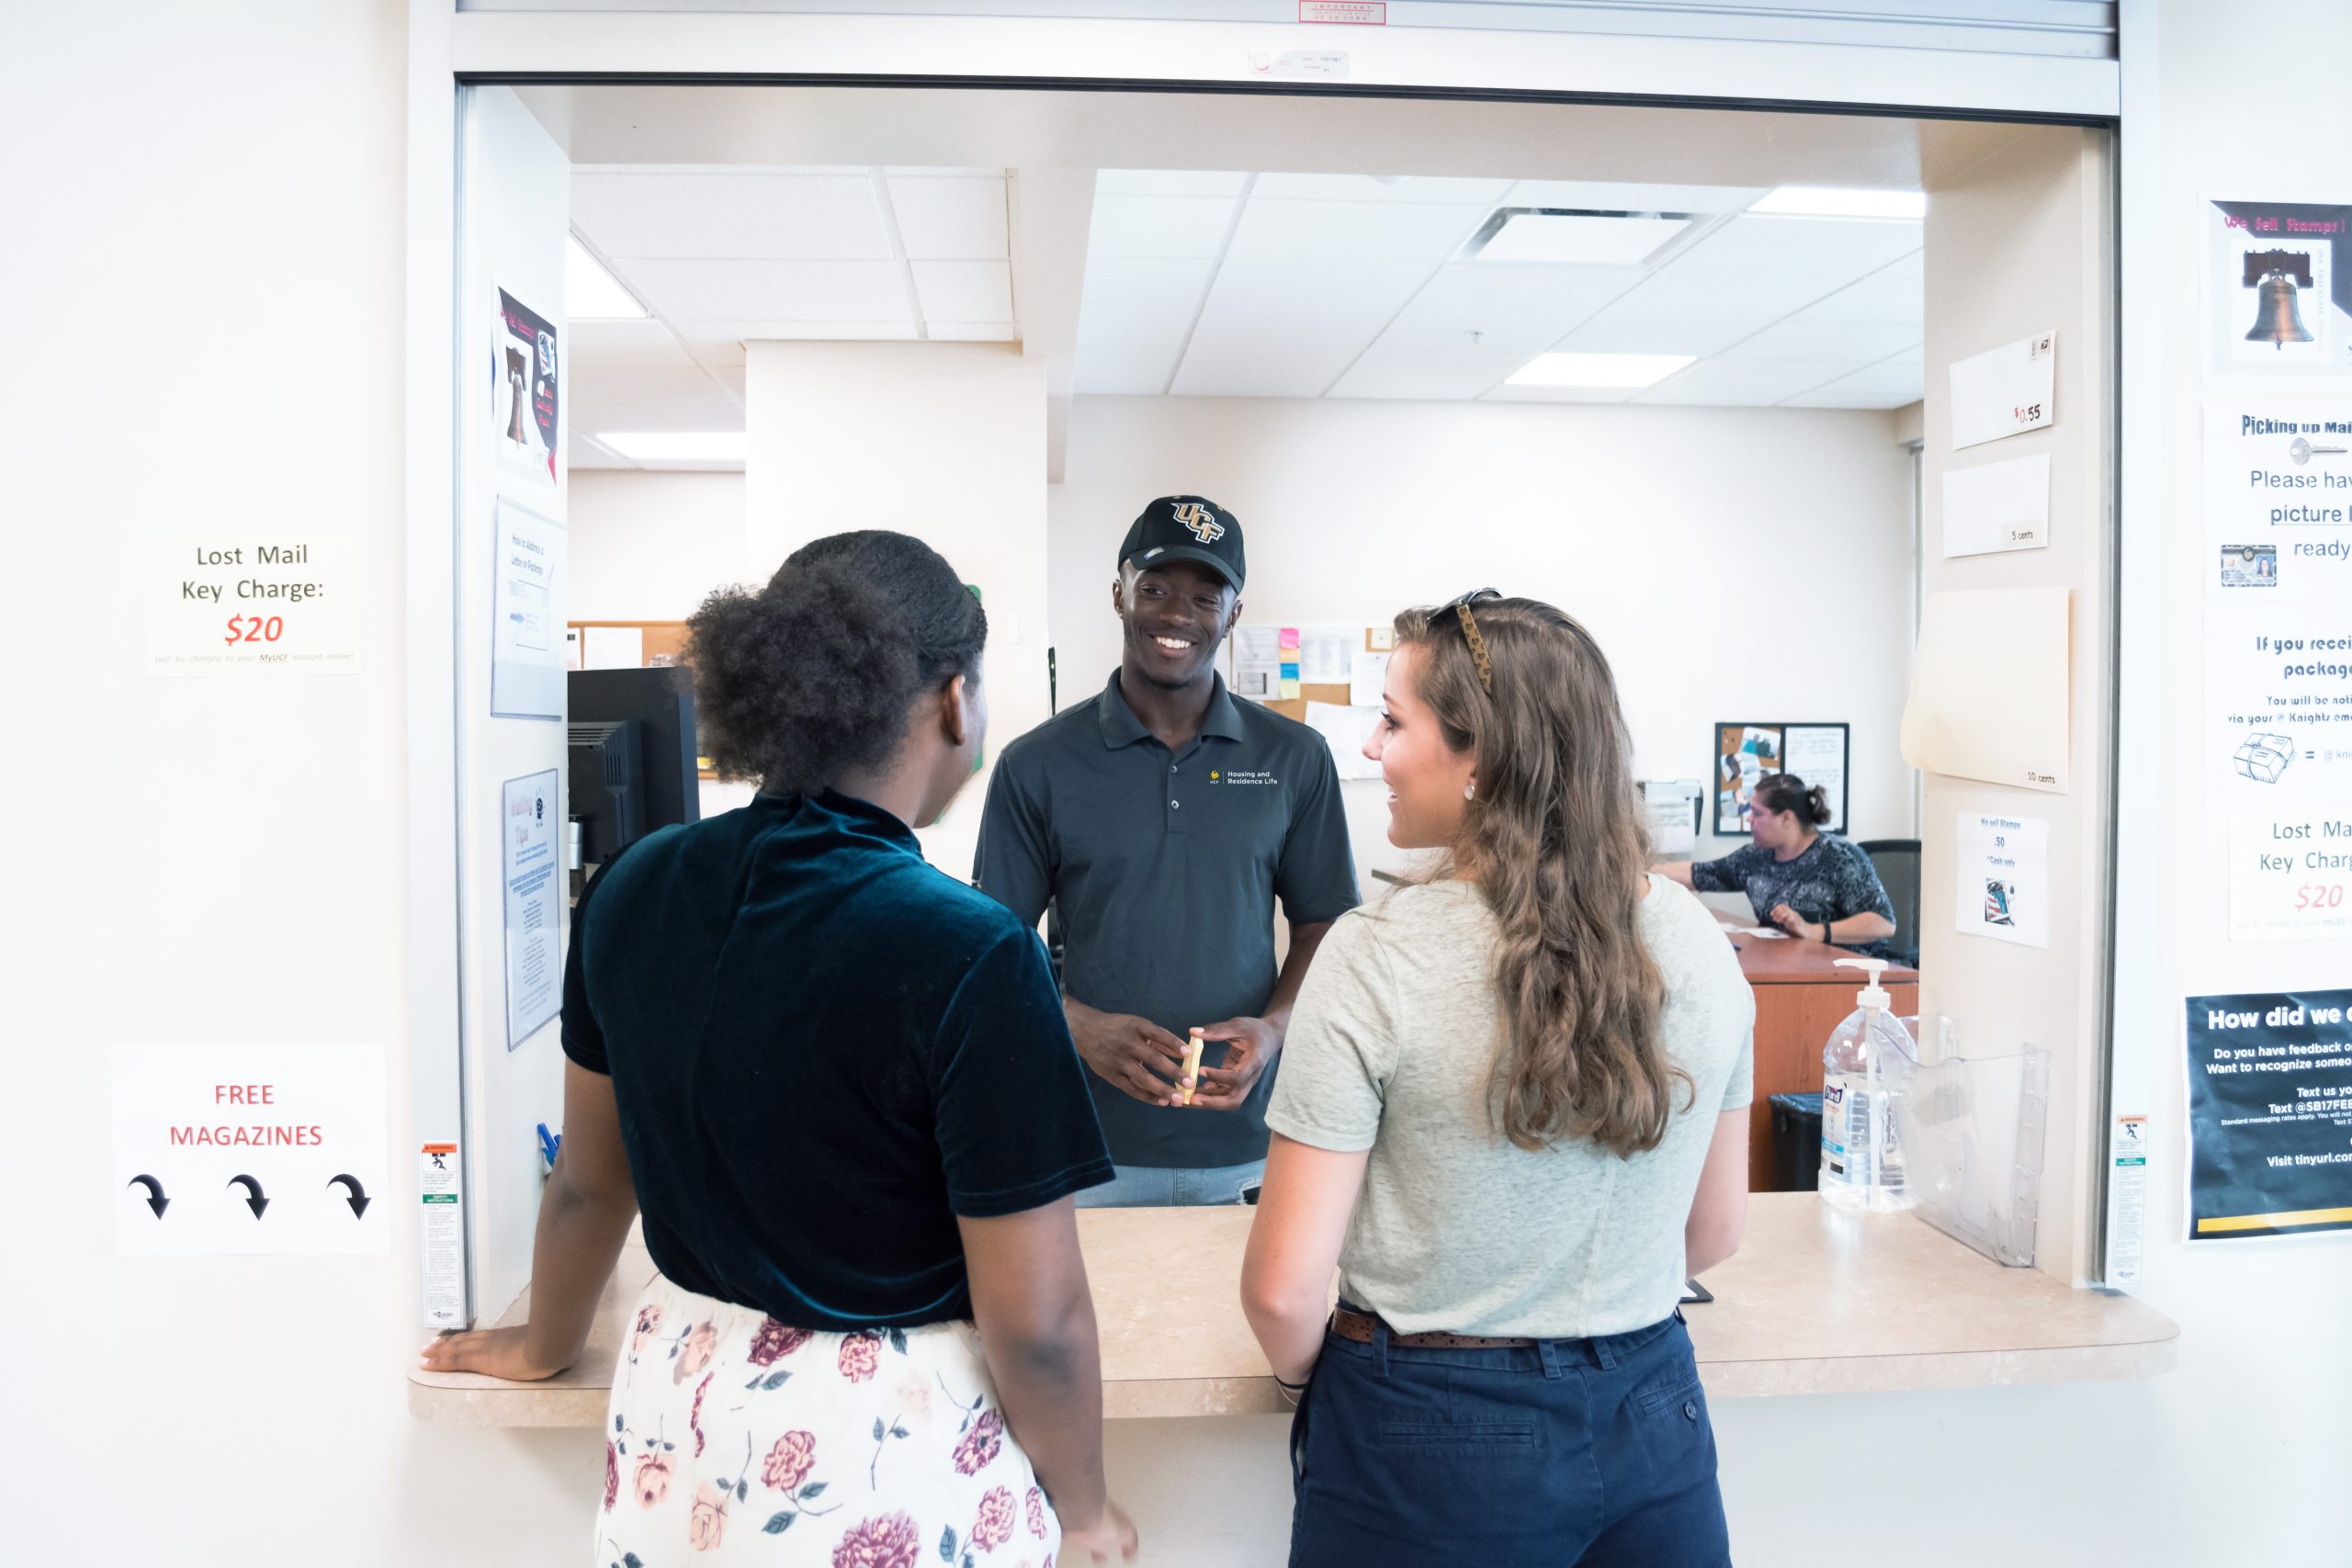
(252,606)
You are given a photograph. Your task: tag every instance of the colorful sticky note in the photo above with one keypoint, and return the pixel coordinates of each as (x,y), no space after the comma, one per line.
(1290,687)
(1290,636)
(1290,671)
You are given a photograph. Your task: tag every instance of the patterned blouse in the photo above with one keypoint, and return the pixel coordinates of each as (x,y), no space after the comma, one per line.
(1832,879)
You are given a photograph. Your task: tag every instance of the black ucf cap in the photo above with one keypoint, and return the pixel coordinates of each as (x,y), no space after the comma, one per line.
(1186,527)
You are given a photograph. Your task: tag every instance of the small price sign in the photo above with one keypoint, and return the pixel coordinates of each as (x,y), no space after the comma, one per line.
(2289,873)
(252,605)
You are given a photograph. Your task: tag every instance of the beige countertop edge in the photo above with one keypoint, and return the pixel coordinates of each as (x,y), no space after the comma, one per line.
(482,1402)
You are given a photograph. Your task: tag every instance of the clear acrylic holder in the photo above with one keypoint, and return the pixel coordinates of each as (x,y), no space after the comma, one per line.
(1973,1131)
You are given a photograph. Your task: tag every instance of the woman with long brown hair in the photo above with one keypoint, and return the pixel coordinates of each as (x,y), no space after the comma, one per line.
(1512,1115)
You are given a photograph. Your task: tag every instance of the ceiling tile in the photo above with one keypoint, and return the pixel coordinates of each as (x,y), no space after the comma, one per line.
(719,345)
(732,215)
(1599,196)
(1129,349)
(1806,337)
(1558,395)
(1136,280)
(1894,293)
(771,291)
(650,400)
(648,342)
(1889,385)
(1564,295)
(1702,316)
(1248,354)
(1835,249)
(922,170)
(1160,225)
(1379,187)
(583,453)
(951,220)
(1269,286)
(1168,182)
(972,332)
(1404,233)
(1740,382)
(1430,357)
(965,290)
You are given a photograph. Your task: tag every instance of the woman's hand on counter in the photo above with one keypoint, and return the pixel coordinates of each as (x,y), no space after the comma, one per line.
(1110,1537)
(1796,925)
(492,1352)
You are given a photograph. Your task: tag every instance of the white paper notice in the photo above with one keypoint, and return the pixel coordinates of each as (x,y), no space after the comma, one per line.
(530,811)
(2278,501)
(2003,889)
(571,648)
(1325,654)
(2287,875)
(528,595)
(1673,815)
(2277,732)
(1257,663)
(2006,391)
(1346,729)
(1997,506)
(249,1150)
(1989,688)
(1816,753)
(1367,680)
(441,1237)
(614,648)
(242,604)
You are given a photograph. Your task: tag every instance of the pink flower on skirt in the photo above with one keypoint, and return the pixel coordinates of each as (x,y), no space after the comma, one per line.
(693,1354)
(789,1463)
(612,1477)
(979,1445)
(694,1417)
(649,1323)
(1037,1513)
(650,1485)
(886,1542)
(707,1524)
(994,1526)
(861,1355)
(774,1341)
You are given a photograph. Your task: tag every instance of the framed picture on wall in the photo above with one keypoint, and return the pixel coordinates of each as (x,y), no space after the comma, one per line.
(1745,751)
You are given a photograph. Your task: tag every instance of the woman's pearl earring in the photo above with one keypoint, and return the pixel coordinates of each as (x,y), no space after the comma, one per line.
(1470,792)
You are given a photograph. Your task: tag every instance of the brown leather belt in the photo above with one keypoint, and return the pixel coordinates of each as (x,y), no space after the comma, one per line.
(1359,1326)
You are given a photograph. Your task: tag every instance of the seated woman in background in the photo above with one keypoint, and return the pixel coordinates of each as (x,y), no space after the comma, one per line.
(839,1085)
(1810,883)
(1512,1113)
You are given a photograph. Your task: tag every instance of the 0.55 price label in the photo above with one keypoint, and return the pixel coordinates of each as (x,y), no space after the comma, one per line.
(252,605)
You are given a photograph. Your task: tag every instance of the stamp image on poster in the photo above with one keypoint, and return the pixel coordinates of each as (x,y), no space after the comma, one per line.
(524,382)
(2269,1114)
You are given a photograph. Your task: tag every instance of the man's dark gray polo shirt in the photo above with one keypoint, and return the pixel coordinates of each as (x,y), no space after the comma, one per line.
(1168,866)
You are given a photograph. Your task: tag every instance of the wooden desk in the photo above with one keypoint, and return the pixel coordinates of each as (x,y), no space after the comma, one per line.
(1801,995)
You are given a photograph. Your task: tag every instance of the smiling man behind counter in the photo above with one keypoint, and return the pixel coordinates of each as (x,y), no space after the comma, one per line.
(1167,817)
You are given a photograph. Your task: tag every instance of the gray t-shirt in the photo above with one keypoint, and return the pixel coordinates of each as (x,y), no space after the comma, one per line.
(1390,1049)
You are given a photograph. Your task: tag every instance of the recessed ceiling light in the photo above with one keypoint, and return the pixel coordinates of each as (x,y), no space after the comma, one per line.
(1819,201)
(590,293)
(675,445)
(1574,238)
(1599,370)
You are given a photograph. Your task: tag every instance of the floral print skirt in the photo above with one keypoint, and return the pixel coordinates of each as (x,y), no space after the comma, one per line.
(737,1439)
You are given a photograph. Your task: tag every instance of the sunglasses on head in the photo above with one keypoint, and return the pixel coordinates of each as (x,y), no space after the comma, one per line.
(1460,604)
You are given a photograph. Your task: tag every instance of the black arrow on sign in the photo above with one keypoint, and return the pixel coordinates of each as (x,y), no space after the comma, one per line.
(255,1200)
(155,1198)
(357,1198)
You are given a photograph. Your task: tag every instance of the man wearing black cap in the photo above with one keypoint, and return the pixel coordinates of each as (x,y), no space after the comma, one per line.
(1167,817)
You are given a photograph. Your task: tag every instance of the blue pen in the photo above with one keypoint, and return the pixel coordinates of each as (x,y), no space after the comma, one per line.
(549,1144)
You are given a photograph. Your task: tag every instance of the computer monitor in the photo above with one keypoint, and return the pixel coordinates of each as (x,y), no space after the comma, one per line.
(657,705)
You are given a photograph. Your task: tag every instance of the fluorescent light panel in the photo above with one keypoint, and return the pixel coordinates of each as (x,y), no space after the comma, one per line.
(1821,202)
(1588,239)
(675,446)
(1599,370)
(590,293)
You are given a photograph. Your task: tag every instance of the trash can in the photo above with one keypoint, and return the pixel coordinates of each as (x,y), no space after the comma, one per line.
(1796,1143)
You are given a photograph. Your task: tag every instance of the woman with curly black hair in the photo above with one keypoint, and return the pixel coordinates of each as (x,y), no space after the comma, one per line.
(838,1086)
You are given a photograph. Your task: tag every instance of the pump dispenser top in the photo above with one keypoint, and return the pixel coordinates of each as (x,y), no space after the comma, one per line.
(1872,996)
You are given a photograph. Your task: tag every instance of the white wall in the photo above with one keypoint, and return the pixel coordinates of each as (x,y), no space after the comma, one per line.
(648,546)
(208,208)
(1733,563)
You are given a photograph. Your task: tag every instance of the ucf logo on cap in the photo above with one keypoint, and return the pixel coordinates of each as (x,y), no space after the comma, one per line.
(1197,517)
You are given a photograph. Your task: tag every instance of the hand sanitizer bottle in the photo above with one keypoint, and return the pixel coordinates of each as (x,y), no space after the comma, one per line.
(1861,1164)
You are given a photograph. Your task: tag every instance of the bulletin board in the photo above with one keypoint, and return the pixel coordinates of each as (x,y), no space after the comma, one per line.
(1325,675)
(1745,751)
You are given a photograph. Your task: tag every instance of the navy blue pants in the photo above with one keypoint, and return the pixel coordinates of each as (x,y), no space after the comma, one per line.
(1595,1452)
